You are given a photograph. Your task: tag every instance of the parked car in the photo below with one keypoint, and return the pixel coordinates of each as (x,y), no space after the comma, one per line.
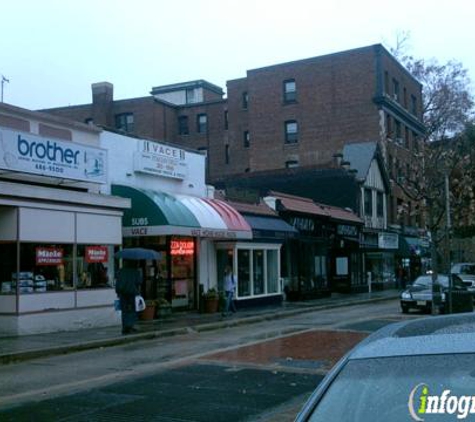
(419,294)
(466,271)
(407,371)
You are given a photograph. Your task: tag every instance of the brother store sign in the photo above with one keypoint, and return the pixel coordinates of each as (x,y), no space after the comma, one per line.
(24,152)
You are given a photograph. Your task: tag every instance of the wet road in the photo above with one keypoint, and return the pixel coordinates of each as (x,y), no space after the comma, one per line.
(262,371)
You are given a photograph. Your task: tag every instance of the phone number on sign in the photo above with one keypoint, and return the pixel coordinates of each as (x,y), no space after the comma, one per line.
(54,169)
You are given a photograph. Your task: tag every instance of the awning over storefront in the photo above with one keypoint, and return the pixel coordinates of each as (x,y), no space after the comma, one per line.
(413,246)
(270,227)
(155,213)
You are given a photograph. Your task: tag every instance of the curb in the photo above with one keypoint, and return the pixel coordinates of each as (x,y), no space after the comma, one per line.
(14,357)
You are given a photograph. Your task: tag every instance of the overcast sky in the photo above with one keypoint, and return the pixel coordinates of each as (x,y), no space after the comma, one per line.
(53,50)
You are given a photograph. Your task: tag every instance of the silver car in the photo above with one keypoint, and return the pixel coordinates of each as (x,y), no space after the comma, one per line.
(466,271)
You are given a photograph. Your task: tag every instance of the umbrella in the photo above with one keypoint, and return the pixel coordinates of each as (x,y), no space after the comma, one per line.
(137,253)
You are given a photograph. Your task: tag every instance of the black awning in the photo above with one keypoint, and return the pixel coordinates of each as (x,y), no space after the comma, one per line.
(270,227)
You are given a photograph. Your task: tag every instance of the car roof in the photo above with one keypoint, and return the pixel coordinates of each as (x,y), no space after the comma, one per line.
(448,334)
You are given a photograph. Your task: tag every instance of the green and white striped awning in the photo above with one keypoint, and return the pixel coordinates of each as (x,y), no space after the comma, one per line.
(155,213)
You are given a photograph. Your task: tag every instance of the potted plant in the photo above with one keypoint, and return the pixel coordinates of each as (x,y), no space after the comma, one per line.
(149,312)
(211,301)
(164,308)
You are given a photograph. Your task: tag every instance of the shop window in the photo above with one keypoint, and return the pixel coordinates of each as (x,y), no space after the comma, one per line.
(95,265)
(45,267)
(272,271)
(182,252)
(258,271)
(8,252)
(244,274)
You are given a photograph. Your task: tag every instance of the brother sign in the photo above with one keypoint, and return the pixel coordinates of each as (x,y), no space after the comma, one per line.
(50,150)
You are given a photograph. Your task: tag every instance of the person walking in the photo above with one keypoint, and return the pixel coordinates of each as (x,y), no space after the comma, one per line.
(229,287)
(127,287)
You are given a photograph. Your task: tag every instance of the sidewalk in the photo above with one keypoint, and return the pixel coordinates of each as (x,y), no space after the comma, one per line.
(20,348)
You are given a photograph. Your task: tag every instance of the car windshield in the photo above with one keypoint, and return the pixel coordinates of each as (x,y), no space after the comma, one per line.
(426,280)
(396,389)
(467,269)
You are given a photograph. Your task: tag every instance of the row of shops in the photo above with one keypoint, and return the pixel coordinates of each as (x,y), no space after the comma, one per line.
(72,195)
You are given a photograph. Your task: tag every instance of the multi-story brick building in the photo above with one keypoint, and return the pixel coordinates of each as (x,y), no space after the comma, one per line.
(292,114)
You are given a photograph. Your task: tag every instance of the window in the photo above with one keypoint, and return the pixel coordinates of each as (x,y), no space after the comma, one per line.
(398,131)
(291,132)
(245,100)
(201,123)
(183,125)
(380,204)
(89,121)
(226,120)
(290,91)
(386,82)
(190,96)
(413,105)
(406,137)
(125,122)
(368,202)
(226,154)
(395,90)
(405,97)
(388,126)
(291,164)
(246,138)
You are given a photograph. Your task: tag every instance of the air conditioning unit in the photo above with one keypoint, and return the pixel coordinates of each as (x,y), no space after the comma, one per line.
(399,141)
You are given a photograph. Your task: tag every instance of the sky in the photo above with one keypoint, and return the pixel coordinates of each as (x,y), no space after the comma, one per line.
(51,51)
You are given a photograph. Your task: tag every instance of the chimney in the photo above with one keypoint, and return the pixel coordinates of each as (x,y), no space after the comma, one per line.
(102,101)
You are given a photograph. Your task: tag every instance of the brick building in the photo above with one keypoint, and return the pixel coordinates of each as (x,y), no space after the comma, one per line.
(292,114)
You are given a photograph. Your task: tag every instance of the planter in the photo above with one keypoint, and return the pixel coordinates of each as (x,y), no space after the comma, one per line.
(211,305)
(147,314)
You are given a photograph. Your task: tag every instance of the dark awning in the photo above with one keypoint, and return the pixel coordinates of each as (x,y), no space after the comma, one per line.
(270,227)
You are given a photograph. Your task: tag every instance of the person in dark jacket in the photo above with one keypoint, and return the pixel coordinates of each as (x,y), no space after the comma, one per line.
(127,287)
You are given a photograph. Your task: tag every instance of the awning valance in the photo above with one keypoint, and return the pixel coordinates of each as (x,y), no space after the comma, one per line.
(270,227)
(155,213)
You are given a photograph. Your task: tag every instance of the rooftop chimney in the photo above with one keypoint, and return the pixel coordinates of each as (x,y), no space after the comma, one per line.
(102,100)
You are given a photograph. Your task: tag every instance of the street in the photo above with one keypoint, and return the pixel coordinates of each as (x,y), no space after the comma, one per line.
(262,371)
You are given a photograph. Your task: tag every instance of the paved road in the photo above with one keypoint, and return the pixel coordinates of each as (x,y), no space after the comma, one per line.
(259,372)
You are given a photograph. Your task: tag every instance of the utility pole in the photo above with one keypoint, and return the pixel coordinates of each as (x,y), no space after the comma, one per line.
(3,82)
(448,233)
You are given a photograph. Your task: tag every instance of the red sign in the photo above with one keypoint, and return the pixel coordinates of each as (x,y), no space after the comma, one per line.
(96,254)
(182,247)
(49,256)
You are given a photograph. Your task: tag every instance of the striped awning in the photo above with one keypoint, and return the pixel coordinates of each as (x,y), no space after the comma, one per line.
(155,213)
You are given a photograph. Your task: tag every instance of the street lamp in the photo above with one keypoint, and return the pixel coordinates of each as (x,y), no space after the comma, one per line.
(3,82)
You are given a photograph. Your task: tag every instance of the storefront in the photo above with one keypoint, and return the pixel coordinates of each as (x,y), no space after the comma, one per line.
(57,235)
(257,265)
(187,231)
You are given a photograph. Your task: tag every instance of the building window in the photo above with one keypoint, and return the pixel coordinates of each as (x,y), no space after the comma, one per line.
(291,132)
(368,202)
(125,122)
(291,164)
(183,125)
(380,204)
(226,120)
(395,90)
(388,126)
(89,121)
(386,82)
(398,132)
(414,105)
(247,139)
(405,97)
(226,154)
(201,123)
(245,100)
(290,91)
(190,96)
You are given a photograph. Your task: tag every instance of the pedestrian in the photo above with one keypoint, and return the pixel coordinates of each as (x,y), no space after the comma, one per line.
(229,287)
(127,287)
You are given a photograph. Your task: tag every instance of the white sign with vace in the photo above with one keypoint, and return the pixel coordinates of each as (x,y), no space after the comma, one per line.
(24,152)
(161,160)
